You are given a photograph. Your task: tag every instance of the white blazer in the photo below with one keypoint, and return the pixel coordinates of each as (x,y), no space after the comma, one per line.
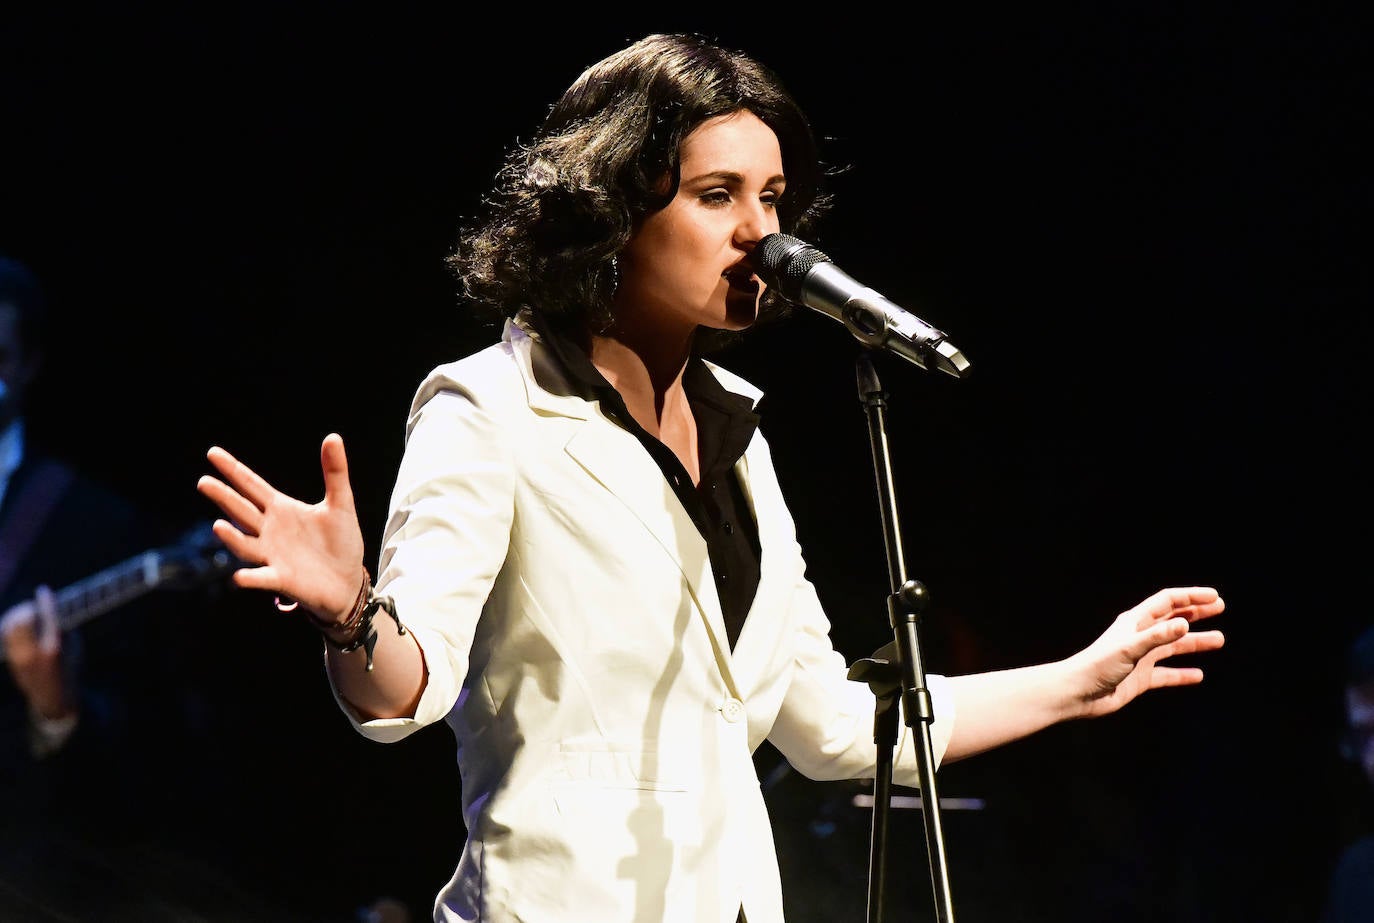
(575,645)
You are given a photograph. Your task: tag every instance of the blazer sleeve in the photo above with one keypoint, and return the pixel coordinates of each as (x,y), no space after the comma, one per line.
(824,723)
(448,528)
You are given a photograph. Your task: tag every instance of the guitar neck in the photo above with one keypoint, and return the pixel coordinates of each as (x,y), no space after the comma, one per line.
(109,589)
(196,559)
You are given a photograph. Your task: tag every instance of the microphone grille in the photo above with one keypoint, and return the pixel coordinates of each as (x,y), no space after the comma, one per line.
(784,262)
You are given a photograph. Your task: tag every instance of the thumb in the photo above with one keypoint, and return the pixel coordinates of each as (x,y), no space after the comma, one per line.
(334,464)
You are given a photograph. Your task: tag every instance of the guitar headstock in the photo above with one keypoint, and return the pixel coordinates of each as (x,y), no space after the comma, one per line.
(195,559)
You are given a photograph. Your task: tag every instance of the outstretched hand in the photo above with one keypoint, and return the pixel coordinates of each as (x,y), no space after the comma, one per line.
(1126,659)
(311,553)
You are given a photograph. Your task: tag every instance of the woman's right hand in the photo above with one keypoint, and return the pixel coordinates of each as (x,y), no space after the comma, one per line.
(310,553)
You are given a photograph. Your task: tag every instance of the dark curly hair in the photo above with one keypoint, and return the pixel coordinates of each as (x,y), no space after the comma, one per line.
(568,201)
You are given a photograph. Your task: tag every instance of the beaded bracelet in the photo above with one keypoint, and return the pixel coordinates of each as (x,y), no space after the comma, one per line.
(356,627)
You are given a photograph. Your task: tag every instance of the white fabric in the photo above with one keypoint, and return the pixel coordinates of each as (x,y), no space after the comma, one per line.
(575,645)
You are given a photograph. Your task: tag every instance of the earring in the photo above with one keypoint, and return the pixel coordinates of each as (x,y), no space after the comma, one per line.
(615,274)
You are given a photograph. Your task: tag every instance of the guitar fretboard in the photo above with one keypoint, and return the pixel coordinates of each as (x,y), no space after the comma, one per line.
(195,560)
(109,589)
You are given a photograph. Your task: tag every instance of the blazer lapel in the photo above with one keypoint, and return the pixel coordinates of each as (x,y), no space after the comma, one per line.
(770,545)
(616,460)
(776,541)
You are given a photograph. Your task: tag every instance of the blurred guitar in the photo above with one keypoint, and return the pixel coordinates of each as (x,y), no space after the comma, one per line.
(196,559)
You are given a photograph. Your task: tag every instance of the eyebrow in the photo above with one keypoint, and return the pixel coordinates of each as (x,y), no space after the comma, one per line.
(730,176)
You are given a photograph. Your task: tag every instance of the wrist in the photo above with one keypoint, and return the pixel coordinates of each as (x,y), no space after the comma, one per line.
(48,734)
(355,629)
(340,628)
(55,710)
(1076,678)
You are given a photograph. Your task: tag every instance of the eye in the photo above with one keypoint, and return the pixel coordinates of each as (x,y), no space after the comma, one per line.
(716,197)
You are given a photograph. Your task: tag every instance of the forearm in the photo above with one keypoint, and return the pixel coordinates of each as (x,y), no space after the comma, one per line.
(392,688)
(996,708)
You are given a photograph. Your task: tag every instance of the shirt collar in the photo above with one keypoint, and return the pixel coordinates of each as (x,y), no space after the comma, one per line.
(698,382)
(572,357)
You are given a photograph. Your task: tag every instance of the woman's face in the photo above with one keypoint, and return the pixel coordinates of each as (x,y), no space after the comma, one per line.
(687,264)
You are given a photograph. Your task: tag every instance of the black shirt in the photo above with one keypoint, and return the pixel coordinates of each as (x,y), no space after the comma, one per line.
(725,424)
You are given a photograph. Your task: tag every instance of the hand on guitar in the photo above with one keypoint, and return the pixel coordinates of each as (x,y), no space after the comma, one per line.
(312,553)
(33,645)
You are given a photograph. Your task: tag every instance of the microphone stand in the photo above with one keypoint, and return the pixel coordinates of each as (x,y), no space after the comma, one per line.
(896,669)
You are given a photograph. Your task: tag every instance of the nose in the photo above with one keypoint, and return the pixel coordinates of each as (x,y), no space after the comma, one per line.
(756,223)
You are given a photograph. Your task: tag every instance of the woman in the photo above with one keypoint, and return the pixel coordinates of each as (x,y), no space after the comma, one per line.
(588,570)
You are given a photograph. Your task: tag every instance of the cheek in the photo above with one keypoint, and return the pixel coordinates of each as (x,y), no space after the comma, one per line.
(661,257)
(662,273)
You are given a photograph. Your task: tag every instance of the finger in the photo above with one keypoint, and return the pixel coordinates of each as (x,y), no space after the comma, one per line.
(1172,601)
(231,503)
(1156,640)
(241,546)
(1160,677)
(49,633)
(1196,642)
(244,479)
(1203,611)
(1190,643)
(18,622)
(258,578)
(334,463)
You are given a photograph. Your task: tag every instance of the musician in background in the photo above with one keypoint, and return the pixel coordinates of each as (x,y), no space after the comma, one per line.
(57,527)
(112,783)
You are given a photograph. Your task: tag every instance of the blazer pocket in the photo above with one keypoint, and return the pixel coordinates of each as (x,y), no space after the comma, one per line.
(609,764)
(630,822)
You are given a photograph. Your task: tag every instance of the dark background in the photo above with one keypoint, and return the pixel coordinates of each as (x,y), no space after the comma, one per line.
(1144,224)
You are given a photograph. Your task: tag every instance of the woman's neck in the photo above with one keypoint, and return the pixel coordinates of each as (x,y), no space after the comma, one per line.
(644,359)
(647,373)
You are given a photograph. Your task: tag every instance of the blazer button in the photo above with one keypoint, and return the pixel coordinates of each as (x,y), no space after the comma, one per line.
(732,710)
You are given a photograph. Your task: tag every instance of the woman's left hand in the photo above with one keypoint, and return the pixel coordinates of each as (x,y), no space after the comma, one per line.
(1126,659)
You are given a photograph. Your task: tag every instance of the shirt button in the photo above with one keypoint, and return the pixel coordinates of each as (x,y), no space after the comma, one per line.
(732,711)
(729,529)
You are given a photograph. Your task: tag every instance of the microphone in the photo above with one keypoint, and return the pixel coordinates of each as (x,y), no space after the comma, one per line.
(804,275)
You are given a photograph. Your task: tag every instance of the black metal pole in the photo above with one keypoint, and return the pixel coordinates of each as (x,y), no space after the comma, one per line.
(906,603)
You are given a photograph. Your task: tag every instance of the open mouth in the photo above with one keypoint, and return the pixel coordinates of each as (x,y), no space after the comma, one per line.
(742,278)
